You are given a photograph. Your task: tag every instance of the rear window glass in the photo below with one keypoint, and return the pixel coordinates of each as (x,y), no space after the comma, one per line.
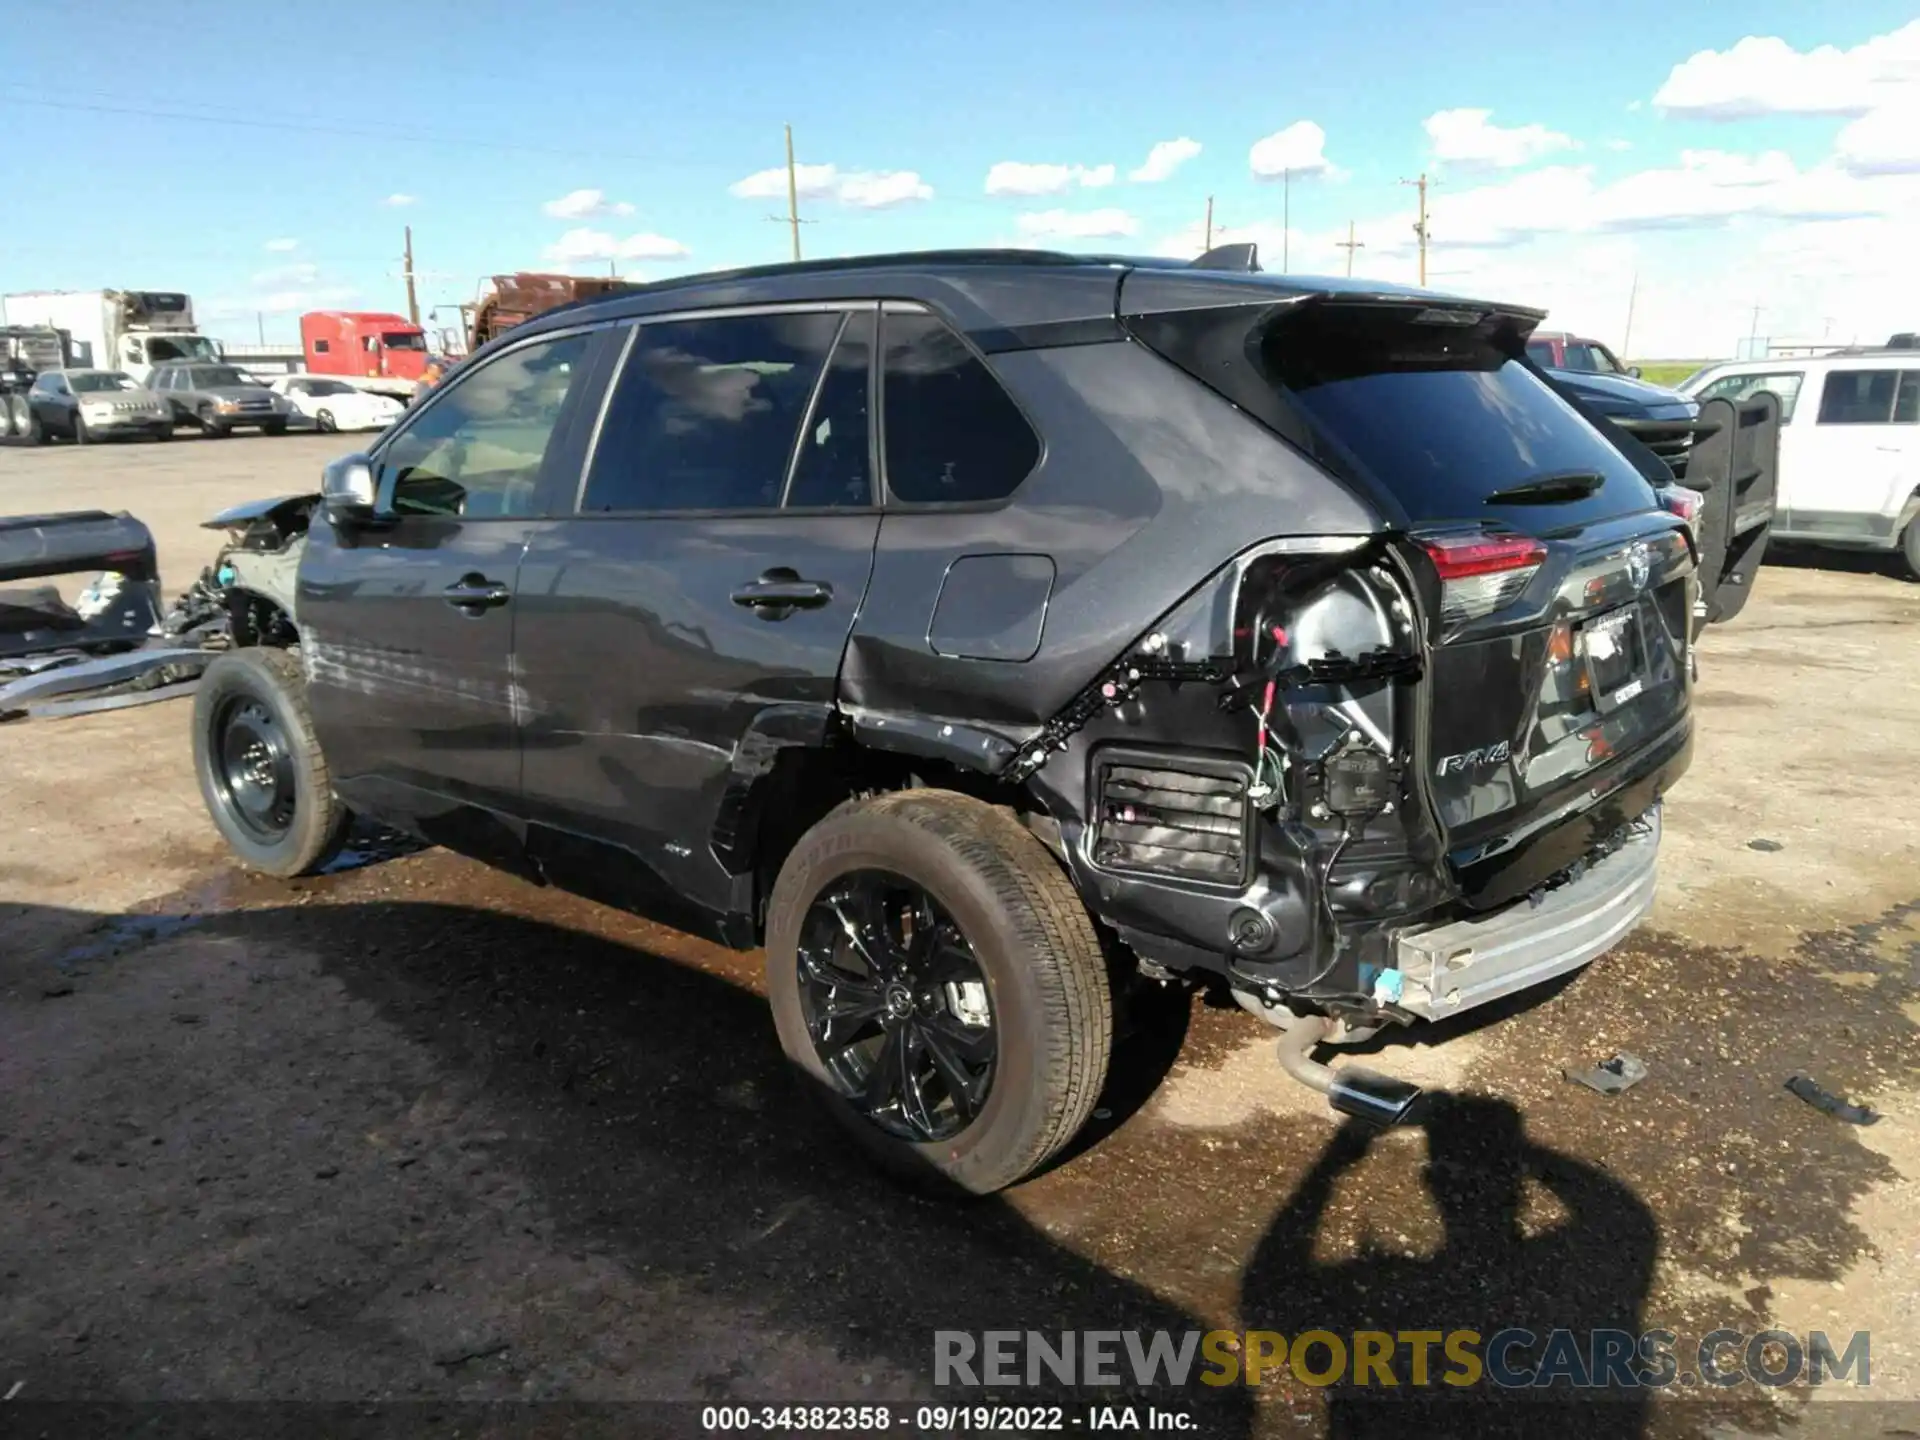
(1441,417)
(953,435)
(1783,383)
(1858,397)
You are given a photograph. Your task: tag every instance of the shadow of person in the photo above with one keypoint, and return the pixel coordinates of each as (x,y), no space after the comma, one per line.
(1505,1269)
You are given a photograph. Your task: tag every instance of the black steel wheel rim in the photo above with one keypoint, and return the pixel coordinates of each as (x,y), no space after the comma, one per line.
(897,1006)
(253,768)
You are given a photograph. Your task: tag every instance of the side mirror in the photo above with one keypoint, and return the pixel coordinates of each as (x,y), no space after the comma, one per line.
(347,490)
(1634,371)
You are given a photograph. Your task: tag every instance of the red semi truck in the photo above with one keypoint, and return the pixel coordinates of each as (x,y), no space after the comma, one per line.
(369,349)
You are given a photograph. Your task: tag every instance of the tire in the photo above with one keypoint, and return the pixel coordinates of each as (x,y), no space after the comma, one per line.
(164,433)
(81,435)
(1021,923)
(258,696)
(275,427)
(12,423)
(324,422)
(1910,550)
(212,428)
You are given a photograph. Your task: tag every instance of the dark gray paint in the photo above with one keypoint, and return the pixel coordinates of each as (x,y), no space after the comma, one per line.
(992,607)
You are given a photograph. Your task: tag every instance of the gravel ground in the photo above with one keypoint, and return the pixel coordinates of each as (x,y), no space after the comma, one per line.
(421,1134)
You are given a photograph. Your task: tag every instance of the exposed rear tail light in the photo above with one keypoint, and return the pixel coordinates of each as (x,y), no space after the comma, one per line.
(1480,574)
(1679,500)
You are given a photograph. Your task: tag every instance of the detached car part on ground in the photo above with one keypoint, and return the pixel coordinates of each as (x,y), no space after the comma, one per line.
(1287,635)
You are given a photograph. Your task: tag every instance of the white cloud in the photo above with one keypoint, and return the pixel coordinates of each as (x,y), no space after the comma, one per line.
(585,205)
(282,246)
(1764,75)
(1886,141)
(289,299)
(863,189)
(1016,177)
(1075,224)
(1300,149)
(286,275)
(1619,145)
(583,244)
(399,198)
(1165,158)
(1470,138)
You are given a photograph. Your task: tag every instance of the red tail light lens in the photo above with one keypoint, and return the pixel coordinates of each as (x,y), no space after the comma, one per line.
(1679,500)
(1480,574)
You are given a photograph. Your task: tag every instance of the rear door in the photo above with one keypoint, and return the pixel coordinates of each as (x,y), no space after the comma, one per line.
(407,626)
(1858,465)
(688,619)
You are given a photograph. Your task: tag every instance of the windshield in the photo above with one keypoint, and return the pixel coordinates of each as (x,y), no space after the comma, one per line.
(328,387)
(1590,359)
(219,375)
(403,340)
(180,347)
(91,380)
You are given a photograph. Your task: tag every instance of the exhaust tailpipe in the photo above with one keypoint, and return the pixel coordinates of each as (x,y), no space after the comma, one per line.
(1352,1090)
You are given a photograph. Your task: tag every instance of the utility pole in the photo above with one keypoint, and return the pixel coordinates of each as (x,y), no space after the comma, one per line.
(1209,245)
(260,325)
(1420,225)
(413,303)
(1753,334)
(1286,219)
(1626,340)
(1350,245)
(793,196)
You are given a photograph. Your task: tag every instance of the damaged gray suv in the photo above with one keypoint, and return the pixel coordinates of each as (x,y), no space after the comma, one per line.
(980,631)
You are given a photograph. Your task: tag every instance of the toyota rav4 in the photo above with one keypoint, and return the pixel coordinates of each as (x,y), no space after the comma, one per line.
(977,631)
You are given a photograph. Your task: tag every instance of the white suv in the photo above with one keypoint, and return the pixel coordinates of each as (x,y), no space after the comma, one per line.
(1849,445)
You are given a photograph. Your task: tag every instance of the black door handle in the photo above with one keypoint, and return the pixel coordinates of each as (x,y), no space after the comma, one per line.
(776,597)
(475,593)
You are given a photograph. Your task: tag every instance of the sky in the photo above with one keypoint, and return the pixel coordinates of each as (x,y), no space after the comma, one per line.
(1700,173)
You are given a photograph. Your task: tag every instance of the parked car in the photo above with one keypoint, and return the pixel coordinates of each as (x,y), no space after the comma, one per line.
(989,635)
(219,398)
(329,405)
(1849,445)
(83,405)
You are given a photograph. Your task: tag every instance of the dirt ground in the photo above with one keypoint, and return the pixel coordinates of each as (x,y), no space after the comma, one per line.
(418,1133)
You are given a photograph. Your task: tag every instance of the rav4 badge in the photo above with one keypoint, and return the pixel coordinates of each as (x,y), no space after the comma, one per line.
(1477,759)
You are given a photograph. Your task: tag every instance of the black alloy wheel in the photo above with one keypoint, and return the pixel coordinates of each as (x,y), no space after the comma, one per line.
(253,769)
(897,1006)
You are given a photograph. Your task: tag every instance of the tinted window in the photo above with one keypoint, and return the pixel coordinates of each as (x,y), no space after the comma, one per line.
(1541,353)
(834,464)
(1440,416)
(1589,359)
(476,451)
(1784,383)
(320,347)
(704,414)
(953,435)
(1906,403)
(1858,397)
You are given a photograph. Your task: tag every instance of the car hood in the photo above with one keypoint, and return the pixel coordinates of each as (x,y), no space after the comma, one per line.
(1622,394)
(237,392)
(135,396)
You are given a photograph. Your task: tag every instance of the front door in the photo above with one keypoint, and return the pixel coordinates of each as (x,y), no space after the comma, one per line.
(407,624)
(695,606)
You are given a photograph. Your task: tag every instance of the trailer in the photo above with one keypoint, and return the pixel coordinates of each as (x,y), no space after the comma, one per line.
(128,330)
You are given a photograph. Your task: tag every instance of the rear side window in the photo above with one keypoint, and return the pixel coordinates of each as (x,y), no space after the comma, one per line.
(1859,397)
(833,465)
(1906,400)
(953,435)
(705,412)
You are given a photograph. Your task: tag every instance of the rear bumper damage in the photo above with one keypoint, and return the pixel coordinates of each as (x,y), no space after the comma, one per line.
(1448,968)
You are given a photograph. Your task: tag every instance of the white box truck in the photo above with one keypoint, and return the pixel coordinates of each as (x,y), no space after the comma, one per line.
(130,330)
